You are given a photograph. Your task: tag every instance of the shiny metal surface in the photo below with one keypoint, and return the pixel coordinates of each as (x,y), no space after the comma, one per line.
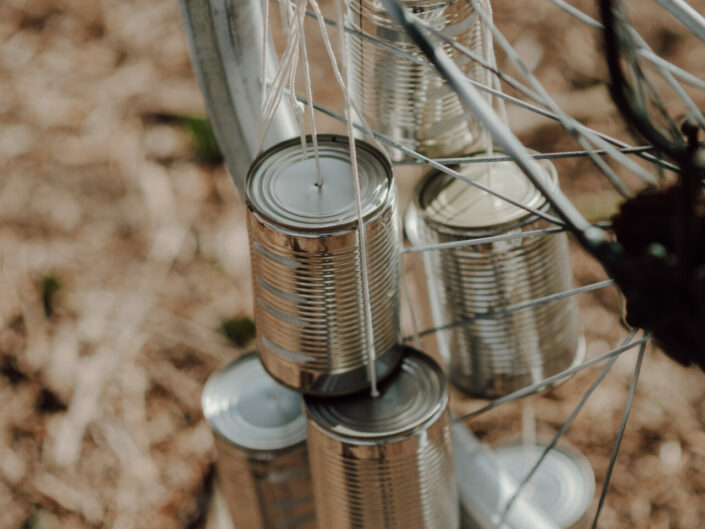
(225,40)
(386,462)
(402,99)
(485,487)
(306,265)
(493,356)
(282,185)
(260,437)
(452,203)
(563,486)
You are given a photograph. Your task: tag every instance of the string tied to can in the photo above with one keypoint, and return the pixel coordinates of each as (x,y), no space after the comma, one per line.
(284,82)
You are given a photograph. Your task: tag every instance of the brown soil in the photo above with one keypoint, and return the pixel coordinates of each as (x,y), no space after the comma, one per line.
(100,422)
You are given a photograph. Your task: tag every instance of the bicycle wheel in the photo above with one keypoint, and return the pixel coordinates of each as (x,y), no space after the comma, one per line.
(649,169)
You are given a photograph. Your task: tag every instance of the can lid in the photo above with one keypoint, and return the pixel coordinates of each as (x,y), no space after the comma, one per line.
(281,183)
(244,405)
(449,201)
(563,486)
(415,393)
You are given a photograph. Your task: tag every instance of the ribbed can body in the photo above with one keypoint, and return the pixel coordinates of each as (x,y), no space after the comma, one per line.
(399,485)
(309,311)
(492,355)
(266,489)
(404,480)
(402,99)
(260,437)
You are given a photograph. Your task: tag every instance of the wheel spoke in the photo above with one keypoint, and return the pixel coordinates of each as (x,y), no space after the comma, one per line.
(572,126)
(578,14)
(564,427)
(514,308)
(479,60)
(433,163)
(642,48)
(667,69)
(686,15)
(645,90)
(528,390)
(620,435)
(684,75)
(482,240)
(536,156)
(593,239)
(645,154)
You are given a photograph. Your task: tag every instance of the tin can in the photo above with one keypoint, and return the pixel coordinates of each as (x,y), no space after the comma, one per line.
(386,461)
(563,485)
(485,487)
(491,356)
(306,266)
(402,99)
(260,438)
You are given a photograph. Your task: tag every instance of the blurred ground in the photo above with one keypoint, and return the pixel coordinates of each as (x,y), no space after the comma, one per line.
(123,251)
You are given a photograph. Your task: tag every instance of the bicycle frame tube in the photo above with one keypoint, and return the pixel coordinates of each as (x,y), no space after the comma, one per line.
(225,41)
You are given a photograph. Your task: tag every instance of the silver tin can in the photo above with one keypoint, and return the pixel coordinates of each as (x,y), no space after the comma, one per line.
(492,356)
(260,438)
(386,461)
(563,486)
(306,265)
(485,487)
(402,99)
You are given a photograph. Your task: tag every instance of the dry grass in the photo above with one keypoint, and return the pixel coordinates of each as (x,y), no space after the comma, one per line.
(122,254)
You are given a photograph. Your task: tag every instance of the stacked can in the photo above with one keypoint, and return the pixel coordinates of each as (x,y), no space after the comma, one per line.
(399,95)
(563,486)
(490,352)
(306,265)
(260,437)
(386,462)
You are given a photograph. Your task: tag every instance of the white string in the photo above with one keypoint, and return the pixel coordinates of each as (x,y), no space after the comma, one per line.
(334,64)
(367,313)
(500,103)
(278,84)
(285,79)
(309,96)
(276,92)
(265,43)
(489,57)
(284,15)
(296,106)
(285,75)
(371,373)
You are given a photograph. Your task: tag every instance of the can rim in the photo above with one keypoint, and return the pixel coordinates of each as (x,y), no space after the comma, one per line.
(327,385)
(327,227)
(526,218)
(315,407)
(289,435)
(581,468)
